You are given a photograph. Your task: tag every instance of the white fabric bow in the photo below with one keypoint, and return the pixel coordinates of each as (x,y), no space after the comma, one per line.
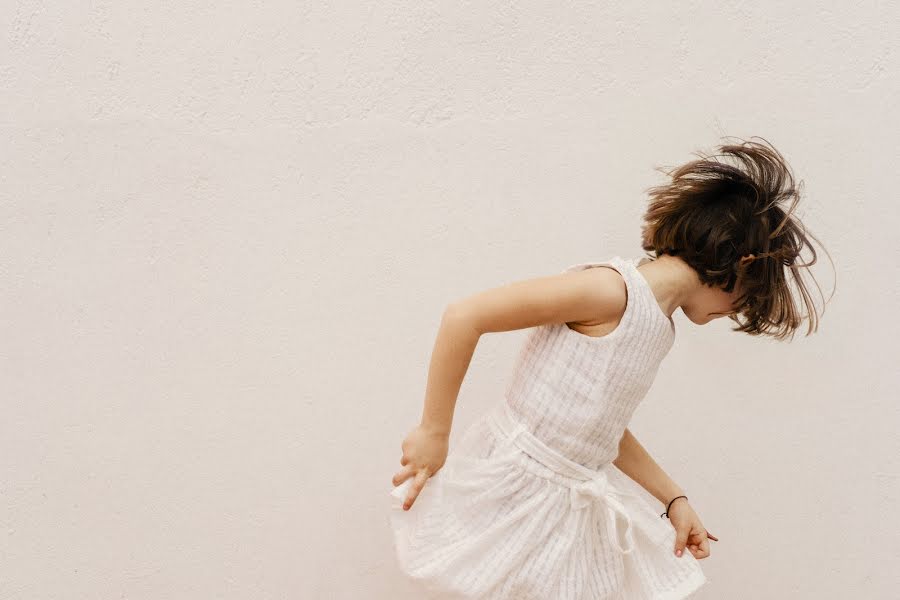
(598,489)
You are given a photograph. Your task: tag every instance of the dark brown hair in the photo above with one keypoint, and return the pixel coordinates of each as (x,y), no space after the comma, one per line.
(732,226)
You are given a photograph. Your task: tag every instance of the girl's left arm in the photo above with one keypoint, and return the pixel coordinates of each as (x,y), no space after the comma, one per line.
(636,462)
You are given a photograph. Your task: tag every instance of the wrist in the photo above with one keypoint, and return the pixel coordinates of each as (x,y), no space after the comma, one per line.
(435,429)
(672,501)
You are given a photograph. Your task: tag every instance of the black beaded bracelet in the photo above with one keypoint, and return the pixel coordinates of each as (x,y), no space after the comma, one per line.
(666,514)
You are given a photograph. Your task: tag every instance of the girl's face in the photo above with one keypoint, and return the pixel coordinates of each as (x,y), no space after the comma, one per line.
(707,301)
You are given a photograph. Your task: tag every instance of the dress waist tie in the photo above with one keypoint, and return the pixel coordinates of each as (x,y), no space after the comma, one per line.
(592,486)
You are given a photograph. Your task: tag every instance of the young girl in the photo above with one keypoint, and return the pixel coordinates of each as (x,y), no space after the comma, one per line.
(538,501)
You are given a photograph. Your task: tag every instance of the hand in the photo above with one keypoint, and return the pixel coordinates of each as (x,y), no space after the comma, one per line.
(424,453)
(689,531)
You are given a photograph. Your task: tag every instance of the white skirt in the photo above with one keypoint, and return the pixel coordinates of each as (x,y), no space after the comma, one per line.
(509,518)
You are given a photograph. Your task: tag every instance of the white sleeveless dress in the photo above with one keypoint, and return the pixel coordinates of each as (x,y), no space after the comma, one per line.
(528,505)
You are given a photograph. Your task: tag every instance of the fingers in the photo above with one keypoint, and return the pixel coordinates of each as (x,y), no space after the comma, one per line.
(681,536)
(704,546)
(415,488)
(402,475)
(698,552)
(698,545)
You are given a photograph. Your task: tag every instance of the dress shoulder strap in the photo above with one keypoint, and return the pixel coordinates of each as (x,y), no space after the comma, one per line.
(615,261)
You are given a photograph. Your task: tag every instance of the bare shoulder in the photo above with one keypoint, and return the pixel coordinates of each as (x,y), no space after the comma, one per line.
(609,295)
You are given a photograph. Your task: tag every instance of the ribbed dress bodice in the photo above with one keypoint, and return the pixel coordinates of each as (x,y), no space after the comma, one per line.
(577,393)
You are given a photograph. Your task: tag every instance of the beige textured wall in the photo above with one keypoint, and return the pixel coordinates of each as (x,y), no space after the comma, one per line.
(228,231)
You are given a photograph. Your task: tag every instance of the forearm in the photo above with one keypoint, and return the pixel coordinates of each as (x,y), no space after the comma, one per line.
(636,462)
(453,349)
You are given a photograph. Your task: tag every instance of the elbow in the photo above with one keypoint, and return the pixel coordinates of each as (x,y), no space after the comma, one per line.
(457,315)
(454,311)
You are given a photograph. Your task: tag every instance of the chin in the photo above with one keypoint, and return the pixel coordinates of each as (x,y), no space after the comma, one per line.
(703,321)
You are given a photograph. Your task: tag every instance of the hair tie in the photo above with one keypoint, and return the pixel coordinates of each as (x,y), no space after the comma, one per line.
(666,514)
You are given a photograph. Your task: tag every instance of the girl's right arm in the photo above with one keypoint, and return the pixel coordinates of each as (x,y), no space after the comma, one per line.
(587,295)
(596,295)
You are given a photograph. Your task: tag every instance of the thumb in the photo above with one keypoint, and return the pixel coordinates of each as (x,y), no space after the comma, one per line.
(681,536)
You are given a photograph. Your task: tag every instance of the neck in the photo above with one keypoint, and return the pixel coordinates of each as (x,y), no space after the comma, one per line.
(672,279)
